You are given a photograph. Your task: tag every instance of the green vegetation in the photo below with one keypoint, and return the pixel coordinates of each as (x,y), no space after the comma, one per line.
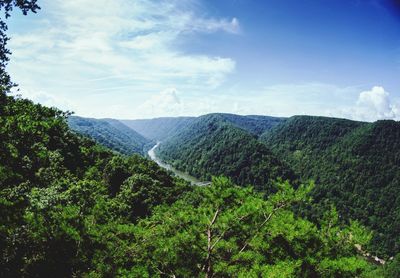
(161,129)
(356,166)
(66,202)
(7,6)
(73,208)
(211,145)
(253,124)
(111,133)
(227,231)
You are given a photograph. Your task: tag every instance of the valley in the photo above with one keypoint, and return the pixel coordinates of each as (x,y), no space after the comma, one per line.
(148,179)
(88,210)
(353,164)
(185,176)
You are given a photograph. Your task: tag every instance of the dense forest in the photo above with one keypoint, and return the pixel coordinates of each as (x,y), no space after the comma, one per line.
(254,124)
(212,145)
(161,129)
(111,133)
(355,165)
(74,208)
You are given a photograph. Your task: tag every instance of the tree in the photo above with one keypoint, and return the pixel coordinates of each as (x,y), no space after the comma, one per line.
(224,231)
(7,6)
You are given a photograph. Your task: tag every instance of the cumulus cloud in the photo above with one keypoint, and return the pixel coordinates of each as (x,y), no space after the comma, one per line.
(371,105)
(375,104)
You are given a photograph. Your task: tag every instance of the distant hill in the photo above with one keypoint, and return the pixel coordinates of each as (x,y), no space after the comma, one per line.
(158,129)
(356,166)
(254,124)
(300,139)
(110,133)
(213,145)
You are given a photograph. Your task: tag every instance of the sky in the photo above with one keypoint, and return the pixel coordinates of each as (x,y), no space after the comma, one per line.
(131,59)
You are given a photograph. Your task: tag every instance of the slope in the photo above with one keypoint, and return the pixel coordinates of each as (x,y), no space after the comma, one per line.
(253,124)
(110,133)
(66,202)
(356,166)
(211,145)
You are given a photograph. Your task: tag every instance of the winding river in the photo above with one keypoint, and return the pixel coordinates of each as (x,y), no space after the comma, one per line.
(183,175)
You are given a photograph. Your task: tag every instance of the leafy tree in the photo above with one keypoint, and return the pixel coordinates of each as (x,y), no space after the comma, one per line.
(225,231)
(61,195)
(7,6)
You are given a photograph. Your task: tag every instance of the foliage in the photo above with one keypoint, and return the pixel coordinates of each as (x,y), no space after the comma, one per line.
(73,208)
(227,231)
(254,124)
(62,196)
(356,166)
(7,6)
(161,129)
(110,133)
(214,146)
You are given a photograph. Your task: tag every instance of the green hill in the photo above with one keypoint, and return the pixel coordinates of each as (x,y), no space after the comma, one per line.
(159,129)
(212,145)
(66,201)
(110,133)
(253,124)
(356,166)
(71,208)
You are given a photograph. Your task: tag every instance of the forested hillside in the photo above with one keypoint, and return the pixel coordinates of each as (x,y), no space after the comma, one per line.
(158,129)
(71,208)
(111,133)
(66,201)
(356,166)
(253,124)
(212,145)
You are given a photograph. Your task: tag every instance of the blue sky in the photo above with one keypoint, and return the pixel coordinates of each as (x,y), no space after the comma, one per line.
(143,59)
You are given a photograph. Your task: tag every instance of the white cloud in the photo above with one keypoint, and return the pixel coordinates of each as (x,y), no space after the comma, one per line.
(48,100)
(376,104)
(371,105)
(212,25)
(165,103)
(79,41)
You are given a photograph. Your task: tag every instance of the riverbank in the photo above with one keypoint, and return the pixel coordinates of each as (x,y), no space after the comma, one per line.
(183,175)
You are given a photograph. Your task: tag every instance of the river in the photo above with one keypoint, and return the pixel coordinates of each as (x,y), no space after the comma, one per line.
(183,175)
